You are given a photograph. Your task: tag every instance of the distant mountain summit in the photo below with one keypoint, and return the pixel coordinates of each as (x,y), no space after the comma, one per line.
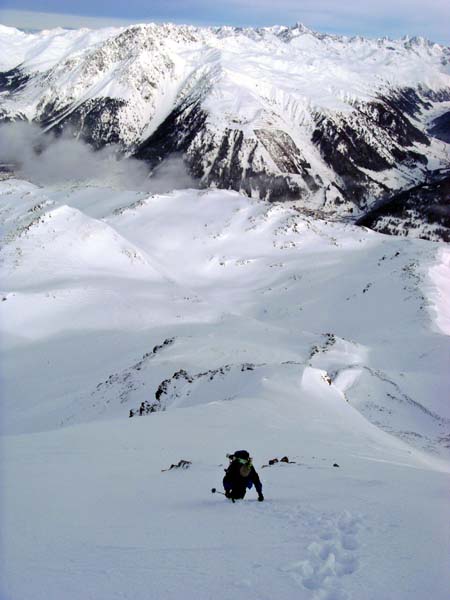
(280,113)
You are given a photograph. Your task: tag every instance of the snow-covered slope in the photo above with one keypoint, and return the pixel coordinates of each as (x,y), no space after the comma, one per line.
(238,324)
(237,288)
(86,510)
(275,112)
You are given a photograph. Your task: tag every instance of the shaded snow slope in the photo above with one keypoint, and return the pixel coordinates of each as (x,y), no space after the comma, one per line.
(238,324)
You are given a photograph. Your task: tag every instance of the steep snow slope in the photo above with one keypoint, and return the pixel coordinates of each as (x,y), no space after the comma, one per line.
(87,510)
(42,50)
(237,288)
(238,324)
(274,112)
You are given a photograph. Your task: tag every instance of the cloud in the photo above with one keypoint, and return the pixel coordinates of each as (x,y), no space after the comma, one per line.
(392,18)
(47,159)
(33,20)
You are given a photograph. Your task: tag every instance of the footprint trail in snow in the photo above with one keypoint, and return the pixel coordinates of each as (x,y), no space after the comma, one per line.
(330,557)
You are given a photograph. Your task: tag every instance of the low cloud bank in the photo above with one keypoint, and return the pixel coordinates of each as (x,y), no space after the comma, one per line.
(46,159)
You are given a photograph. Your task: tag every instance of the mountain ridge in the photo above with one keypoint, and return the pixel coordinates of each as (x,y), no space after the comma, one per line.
(276,113)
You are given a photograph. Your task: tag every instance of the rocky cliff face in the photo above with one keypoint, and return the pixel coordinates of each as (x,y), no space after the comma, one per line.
(421,211)
(278,113)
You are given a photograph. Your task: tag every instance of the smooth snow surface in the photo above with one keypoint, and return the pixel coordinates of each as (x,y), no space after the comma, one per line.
(288,336)
(440,276)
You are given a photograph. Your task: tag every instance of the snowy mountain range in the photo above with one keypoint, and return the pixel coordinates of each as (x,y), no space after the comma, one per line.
(335,123)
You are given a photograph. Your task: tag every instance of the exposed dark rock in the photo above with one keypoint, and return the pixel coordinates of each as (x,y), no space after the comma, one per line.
(182,464)
(378,135)
(167,342)
(329,341)
(389,113)
(174,135)
(96,121)
(408,100)
(13,80)
(427,203)
(274,461)
(440,128)
(231,165)
(145,408)
(170,388)
(131,380)
(286,155)
(164,385)
(227,167)
(234,168)
(434,96)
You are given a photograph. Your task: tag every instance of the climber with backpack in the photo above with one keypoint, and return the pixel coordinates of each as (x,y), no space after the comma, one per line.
(240,476)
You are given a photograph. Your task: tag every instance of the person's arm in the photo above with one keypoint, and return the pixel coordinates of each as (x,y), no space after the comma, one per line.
(257,483)
(227,482)
(229,478)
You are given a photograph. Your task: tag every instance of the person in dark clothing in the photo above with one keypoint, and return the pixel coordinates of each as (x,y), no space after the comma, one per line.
(240,476)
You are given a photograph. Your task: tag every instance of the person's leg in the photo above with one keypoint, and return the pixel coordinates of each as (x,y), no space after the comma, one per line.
(238,492)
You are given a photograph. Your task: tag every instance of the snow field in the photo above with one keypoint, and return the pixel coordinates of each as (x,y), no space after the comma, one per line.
(89,508)
(440,277)
(271,331)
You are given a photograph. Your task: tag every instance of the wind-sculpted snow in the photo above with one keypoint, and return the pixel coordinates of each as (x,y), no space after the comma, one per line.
(218,322)
(275,113)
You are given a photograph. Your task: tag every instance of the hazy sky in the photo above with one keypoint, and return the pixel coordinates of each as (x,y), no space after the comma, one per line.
(371,18)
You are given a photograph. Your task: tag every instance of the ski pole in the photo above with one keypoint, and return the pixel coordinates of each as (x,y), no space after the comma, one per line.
(214,491)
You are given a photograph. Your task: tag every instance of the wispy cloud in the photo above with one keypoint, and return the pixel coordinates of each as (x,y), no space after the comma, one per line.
(46,159)
(30,20)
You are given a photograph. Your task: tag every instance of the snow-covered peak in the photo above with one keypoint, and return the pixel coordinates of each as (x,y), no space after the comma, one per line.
(327,70)
(42,50)
(52,45)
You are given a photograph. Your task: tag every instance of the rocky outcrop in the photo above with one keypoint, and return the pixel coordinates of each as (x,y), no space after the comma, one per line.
(97,121)
(440,128)
(420,211)
(376,136)
(13,80)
